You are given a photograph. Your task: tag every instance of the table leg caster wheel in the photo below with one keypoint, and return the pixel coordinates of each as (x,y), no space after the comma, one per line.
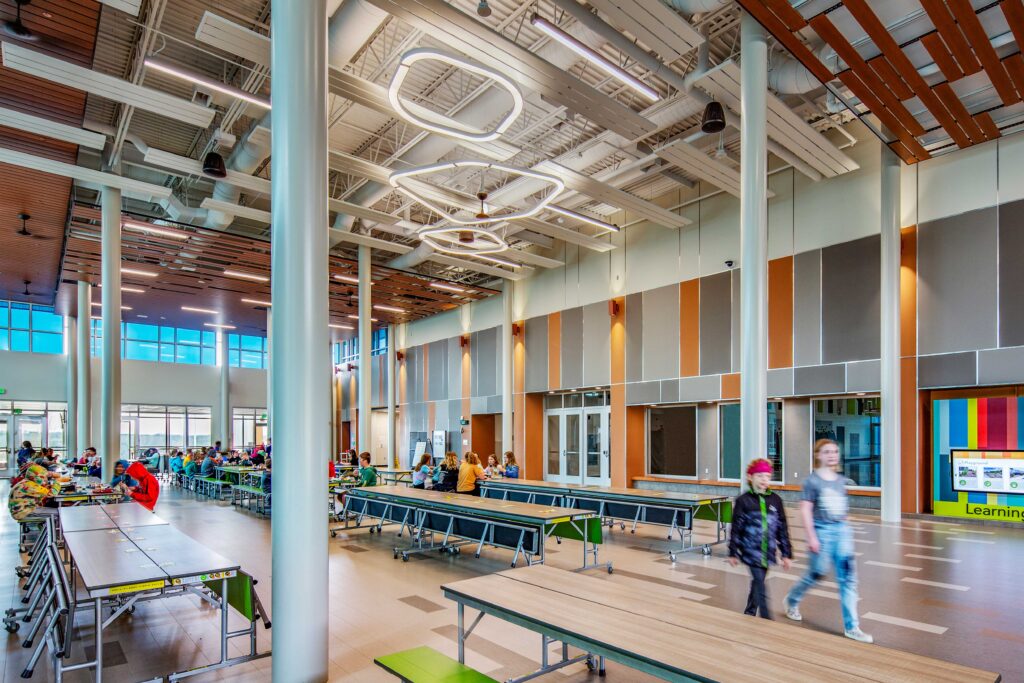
(334,535)
(706,550)
(26,643)
(405,557)
(476,555)
(672,557)
(456,551)
(372,529)
(131,610)
(12,627)
(395,555)
(610,569)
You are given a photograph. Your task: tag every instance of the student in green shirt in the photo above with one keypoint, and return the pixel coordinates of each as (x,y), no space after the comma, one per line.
(367,473)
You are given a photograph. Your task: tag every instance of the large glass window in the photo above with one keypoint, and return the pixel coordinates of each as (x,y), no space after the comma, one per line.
(855,424)
(30,328)
(163,428)
(249,427)
(160,343)
(672,440)
(348,349)
(729,441)
(42,423)
(245,351)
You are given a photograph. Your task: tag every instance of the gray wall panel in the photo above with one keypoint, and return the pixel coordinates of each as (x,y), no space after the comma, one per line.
(454,428)
(780,382)
(796,439)
(634,338)
(1001,366)
(864,376)
(572,348)
(1011,275)
(414,374)
(437,371)
(850,305)
(707,442)
(478,405)
(455,368)
(639,393)
(820,379)
(661,332)
(597,353)
(494,405)
(537,354)
(704,388)
(807,308)
(669,391)
(715,324)
(956,283)
(947,370)
(486,356)
(734,322)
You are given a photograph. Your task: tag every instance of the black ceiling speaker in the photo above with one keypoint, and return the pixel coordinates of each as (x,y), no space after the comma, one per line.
(483,9)
(16,29)
(213,165)
(713,120)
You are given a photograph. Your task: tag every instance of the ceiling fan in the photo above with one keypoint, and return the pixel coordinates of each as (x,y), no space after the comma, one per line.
(24,232)
(16,29)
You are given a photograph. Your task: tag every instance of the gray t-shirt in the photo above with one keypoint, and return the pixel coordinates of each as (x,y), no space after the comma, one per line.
(828,497)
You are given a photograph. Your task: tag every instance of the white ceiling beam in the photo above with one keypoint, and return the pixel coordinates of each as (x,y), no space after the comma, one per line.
(654,24)
(237,210)
(127,6)
(230,37)
(194,167)
(566,235)
(86,176)
(51,129)
(109,87)
(696,162)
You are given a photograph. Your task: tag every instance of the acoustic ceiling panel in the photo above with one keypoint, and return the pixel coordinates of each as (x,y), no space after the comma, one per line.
(51,129)
(86,176)
(654,24)
(694,161)
(228,36)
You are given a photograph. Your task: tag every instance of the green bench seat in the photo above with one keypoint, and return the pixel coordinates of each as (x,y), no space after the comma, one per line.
(255,490)
(427,665)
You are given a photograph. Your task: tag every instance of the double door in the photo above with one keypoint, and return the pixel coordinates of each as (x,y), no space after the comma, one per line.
(14,430)
(576,444)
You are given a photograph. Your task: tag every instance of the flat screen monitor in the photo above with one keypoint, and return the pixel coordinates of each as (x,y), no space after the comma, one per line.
(988,471)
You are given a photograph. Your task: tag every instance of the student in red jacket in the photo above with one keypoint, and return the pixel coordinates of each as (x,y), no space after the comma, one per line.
(148,489)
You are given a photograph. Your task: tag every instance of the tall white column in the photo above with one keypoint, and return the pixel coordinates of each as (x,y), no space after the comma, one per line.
(890,351)
(506,365)
(270,374)
(71,424)
(299,295)
(84,402)
(753,242)
(392,389)
(110,402)
(365,339)
(225,392)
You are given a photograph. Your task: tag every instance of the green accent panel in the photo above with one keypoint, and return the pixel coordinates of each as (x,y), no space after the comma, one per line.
(239,594)
(708,512)
(427,665)
(567,530)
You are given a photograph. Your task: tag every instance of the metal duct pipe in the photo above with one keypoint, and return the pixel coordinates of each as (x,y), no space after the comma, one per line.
(413,258)
(691,7)
(249,152)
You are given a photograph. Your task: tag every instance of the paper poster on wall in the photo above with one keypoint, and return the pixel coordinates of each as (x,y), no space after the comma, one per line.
(440,443)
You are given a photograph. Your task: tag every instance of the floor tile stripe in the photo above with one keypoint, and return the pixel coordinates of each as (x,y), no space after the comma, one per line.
(903,567)
(971,540)
(918,545)
(936,584)
(952,560)
(906,623)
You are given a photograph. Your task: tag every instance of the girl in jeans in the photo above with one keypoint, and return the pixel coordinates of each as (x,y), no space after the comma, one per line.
(823,508)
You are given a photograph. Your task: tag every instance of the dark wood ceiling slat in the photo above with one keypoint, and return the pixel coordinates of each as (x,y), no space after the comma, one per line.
(1013,11)
(777,28)
(975,33)
(889,76)
(984,120)
(951,35)
(959,111)
(1015,67)
(942,56)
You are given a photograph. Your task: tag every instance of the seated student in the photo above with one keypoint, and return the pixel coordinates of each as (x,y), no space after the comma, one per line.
(121,475)
(29,494)
(245,460)
(265,484)
(446,475)
(367,472)
(96,468)
(25,453)
(44,458)
(470,474)
(147,490)
(421,472)
(176,463)
(209,463)
(191,467)
(511,469)
(493,469)
(232,458)
(259,458)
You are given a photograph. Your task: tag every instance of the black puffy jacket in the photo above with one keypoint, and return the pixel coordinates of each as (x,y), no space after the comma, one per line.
(753,541)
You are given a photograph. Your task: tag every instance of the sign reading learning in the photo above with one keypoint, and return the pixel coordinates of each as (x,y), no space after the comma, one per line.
(978,458)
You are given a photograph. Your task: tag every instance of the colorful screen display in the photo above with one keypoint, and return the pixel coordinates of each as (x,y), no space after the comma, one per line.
(988,471)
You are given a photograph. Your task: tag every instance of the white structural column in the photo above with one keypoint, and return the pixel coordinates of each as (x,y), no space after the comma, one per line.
(506,365)
(300,355)
(753,242)
(270,373)
(392,400)
(84,384)
(71,427)
(110,402)
(365,339)
(225,392)
(890,351)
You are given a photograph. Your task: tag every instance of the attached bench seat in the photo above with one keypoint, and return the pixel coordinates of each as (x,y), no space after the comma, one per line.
(209,484)
(245,494)
(427,665)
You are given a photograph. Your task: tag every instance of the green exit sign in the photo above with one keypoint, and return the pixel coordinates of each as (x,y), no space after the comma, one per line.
(2,391)
(16,411)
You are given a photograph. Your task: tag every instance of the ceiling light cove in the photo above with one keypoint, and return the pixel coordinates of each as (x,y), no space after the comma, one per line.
(463,240)
(140,273)
(153,230)
(440,123)
(219,326)
(399,180)
(257,302)
(246,276)
(193,309)
(199,79)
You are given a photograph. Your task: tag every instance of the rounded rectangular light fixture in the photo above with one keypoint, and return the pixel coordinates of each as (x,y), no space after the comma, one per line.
(199,79)
(392,309)
(140,273)
(193,309)
(258,302)
(246,276)
(219,326)
(446,287)
(583,218)
(153,230)
(594,57)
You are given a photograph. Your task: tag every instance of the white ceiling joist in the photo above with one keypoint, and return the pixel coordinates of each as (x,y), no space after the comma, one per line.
(373,96)
(695,161)
(261,216)
(357,166)
(51,129)
(654,24)
(116,89)
(128,6)
(784,125)
(258,215)
(228,36)
(175,162)
(575,180)
(565,234)
(86,176)
(448,25)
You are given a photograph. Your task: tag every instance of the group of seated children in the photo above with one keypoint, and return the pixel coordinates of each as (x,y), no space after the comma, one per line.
(450,475)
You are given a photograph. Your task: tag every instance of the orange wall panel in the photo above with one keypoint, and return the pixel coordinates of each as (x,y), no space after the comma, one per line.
(467,408)
(731,386)
(555,351)
(617,428)
(689,328)
(780,312)
(533,409)
(481,436)
(908,292)
(636,440)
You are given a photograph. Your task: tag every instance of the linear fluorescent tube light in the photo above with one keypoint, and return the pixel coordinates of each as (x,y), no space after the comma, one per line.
(153,230)
(497,259)
(348,278)
(193,309)
(258,302)
(356,317)
(594,57)
(596,222)
(246,276)
(133,290)
(140,273)
(340,327)
(185,75)
(123,308)
(447,287)
(393,309)
(219,326)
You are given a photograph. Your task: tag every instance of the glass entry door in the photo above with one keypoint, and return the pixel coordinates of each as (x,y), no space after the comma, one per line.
(7,460)
(31,428)
(576,442)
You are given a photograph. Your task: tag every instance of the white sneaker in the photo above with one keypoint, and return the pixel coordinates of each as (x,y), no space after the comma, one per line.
(858,635)
(794,614)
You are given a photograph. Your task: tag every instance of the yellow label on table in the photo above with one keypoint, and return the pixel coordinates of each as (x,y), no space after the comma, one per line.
(136,587)
(69,499)
(559,520)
